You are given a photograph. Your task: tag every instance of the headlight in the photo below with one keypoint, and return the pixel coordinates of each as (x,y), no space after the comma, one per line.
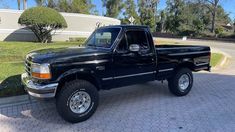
(40,71)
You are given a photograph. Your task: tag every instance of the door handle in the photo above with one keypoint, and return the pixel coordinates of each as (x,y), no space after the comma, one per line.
(149,54)
(128,54)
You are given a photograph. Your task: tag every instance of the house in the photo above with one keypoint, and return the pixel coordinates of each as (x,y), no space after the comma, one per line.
(79,25)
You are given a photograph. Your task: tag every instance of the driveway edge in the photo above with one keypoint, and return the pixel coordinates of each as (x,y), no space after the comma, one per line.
(9,101)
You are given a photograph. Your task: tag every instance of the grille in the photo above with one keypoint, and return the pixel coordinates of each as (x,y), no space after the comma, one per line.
(28,67)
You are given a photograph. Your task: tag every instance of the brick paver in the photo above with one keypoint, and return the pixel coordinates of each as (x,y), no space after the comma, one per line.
(210,106)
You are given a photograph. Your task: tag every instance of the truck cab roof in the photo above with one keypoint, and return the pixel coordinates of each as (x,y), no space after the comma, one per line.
(125,26)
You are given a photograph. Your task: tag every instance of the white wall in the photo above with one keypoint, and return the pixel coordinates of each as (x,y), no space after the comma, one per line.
(79,25)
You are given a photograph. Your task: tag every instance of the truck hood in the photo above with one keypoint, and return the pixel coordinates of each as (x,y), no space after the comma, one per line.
(64,54)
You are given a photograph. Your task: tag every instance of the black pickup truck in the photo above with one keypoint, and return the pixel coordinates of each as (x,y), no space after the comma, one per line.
(113,56)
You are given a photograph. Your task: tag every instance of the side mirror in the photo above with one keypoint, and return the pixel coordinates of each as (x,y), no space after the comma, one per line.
(134,48)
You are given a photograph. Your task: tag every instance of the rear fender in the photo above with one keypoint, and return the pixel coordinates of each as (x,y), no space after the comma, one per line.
(186,63)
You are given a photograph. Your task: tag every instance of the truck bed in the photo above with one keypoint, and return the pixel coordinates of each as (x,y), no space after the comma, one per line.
(180,49)
(170,56)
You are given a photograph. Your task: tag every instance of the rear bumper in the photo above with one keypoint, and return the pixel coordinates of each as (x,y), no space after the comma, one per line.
(38,90)
(206,68)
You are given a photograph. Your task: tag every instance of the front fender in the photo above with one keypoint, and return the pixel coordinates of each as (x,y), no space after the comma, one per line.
(80,71)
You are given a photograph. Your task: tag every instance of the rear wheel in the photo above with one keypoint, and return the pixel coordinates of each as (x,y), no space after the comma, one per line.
(181,83)
(77,101)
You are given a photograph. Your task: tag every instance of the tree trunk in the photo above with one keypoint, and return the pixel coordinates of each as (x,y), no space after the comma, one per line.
(18,2)
(213,22)
(214,12)
(234,27)
(25,4)
(162,26)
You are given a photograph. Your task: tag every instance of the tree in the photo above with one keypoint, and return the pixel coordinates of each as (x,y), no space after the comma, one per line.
(113,7)
(222,18)
(198,26)
(42,21)
(81,6)
(24,4)
(47,3)
(234,25)
(147,11)
(40,2)
(51,4)
(195,18)
(74,6)
(18,3)
(212,6)
(153,7)
(218,31)
(94,11)
(162,21)
(175,17)
(63,6)
(130,10)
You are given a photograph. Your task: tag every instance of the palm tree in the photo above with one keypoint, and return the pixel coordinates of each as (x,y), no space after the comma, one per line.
(25,4)
(18,2)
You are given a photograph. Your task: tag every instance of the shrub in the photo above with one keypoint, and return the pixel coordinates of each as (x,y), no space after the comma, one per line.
(42,21)
(219,31)
(187,33)
(77,39)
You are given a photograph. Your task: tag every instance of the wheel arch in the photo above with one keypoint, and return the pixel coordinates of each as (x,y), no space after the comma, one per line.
(187,64)
(71,75)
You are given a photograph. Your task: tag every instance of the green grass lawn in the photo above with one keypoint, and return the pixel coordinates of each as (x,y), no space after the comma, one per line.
(12,56)
(215,59)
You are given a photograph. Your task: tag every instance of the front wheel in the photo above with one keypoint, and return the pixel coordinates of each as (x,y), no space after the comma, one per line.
(77,101)
(181,82)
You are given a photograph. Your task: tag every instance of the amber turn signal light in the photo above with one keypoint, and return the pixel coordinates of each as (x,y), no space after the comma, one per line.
(41,75)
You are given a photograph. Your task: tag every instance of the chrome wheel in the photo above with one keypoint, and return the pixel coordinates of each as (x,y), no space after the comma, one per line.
(80,102)
(184,82)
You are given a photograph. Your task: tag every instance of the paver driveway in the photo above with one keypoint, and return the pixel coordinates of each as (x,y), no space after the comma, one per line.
(146,107)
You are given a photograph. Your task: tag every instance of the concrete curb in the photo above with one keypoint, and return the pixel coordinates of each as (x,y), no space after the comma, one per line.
(224,61)
(9,101)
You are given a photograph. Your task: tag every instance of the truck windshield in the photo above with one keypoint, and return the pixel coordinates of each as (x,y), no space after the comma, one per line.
(103,37)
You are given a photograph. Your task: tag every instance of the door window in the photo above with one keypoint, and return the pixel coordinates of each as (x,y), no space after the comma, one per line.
(133,37)
(138,37)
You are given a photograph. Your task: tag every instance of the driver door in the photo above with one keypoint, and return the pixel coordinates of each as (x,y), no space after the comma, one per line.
(131,67)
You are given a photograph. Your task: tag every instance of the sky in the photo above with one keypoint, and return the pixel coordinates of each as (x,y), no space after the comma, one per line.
(229,5)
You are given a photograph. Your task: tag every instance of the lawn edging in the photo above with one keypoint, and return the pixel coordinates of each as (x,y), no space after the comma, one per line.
(223,62)
(14,100)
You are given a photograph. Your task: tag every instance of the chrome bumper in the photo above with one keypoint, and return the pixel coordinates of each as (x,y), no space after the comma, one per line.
(38,90)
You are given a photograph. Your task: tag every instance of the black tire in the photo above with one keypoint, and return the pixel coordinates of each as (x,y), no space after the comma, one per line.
(173,83)
(65,95)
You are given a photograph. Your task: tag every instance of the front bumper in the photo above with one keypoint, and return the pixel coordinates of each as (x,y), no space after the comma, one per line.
(38,90)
